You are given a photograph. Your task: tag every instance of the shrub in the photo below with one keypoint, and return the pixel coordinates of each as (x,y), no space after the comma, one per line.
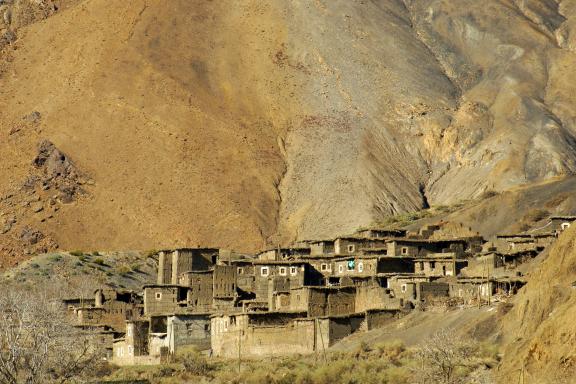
(55,258)
(95,253)
(196,364)
(445,357)
(99,261)
(35,265)
(364,347)
(150,253)
(391,350)
(123,269)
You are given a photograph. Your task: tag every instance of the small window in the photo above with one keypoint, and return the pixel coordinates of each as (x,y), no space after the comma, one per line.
(324,267)
(282,271)
(130,350)
(404,250)
(264,271)
(351,264)
(432,265)
(421,265)
(565,226)
(240,270)
(403,287)
(340,268)
(360,267)
(351,248)
(158,295)
(293,270)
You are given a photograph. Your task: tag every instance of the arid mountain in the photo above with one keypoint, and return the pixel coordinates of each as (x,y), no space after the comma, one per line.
(539,330)
(247,123)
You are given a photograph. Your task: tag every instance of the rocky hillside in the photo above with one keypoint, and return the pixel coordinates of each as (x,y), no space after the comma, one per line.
(251,122)
(539,330)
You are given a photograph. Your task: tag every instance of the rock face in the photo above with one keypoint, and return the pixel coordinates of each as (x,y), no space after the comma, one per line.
(248,123)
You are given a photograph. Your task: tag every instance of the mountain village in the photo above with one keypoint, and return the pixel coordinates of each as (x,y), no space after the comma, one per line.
(304,298)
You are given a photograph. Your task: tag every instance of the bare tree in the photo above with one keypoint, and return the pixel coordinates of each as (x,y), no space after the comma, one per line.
(37,343)
(441,356)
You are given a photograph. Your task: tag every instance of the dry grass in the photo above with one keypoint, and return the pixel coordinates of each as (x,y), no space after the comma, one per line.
(389,362)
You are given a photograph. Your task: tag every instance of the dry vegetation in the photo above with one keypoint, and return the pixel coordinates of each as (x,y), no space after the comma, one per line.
(128,269)
(37,343)
(442,359)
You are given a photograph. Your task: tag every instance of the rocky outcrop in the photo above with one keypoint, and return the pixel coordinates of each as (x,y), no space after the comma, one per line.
(57,172)
(28,210)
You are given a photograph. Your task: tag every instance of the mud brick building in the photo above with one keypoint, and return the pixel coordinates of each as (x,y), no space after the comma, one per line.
(112,308)
(412,290)
(303,298)
(200,289)
(275,254)
(321,247)
(376,297)
(224,287)
(165,298)
(298,273)
(423,247)
(245,277)
(349,245)
(380,233)
(440,264)
(323,301)
(560,223)
(277,334)
(472,289)
(370,264)
(172,263)
(132,348)
(527,241)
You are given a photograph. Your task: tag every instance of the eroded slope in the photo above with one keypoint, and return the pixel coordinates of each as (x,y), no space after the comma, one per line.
(244,123)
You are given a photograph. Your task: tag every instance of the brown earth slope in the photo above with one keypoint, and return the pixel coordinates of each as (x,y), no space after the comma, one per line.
(250,122)
(539,331)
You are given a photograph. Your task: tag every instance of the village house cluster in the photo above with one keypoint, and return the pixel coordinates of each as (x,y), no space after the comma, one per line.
(306,297)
